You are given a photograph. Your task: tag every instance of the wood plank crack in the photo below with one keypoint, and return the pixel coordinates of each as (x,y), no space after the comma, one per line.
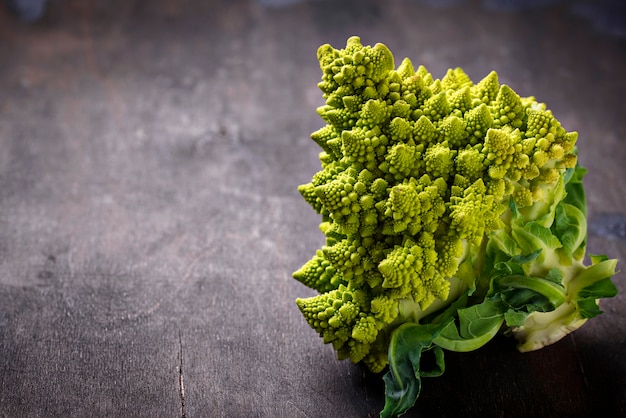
(181,382)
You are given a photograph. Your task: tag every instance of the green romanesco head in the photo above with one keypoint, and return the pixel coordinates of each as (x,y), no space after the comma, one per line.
(416,171)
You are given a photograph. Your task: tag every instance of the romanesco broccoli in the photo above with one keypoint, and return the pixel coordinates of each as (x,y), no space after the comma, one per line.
(452,212)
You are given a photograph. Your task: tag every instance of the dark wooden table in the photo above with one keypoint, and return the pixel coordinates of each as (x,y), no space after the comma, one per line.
(150,153)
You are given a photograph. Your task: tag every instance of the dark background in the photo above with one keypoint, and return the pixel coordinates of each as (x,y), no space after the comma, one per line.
(150,153)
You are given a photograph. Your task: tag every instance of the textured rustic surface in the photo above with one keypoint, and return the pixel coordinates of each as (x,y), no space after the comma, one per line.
(149,219)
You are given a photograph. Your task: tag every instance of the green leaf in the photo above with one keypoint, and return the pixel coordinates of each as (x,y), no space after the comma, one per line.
(602,268)
(515,318)
(555,275)
(527,258)
(409,343)
(521,294)
(576,197)
(592,284)
(570,226)
(501,245)
(478,320)
(600,289)
(439,365)
(588,308)
(534,292)
(595,259)
(532,237)
(478,324)
(575,189)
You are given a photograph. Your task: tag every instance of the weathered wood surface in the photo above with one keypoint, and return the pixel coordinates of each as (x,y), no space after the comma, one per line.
(149,219)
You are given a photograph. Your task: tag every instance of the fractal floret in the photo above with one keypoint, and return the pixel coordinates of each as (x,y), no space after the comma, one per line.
(453,211)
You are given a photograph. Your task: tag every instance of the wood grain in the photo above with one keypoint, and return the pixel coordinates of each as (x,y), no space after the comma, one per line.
(149,219)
